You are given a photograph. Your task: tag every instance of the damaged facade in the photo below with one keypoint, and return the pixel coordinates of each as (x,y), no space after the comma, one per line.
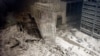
(90,18)
(46,15)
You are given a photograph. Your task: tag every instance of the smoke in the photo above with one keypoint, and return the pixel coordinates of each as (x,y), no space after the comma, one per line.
(7,6)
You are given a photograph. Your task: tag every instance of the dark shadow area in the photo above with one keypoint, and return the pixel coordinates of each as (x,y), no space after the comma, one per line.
(59,21)
(73,13)
(8,6)
(34,27)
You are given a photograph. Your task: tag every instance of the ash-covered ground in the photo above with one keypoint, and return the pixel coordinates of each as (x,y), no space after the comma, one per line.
(67,43)
(16,43)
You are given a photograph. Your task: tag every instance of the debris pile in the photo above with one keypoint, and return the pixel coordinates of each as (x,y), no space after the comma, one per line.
(16,43)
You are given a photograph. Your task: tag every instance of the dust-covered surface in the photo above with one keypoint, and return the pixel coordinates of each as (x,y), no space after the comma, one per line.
(79,42)
(16,43)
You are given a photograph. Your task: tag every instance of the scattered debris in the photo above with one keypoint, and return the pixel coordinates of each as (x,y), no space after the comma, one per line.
(16,43)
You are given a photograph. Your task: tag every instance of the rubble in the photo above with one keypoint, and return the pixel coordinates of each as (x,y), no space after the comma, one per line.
(16,43)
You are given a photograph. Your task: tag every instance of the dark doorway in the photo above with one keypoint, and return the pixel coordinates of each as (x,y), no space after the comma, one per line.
(59,21)
(73,13)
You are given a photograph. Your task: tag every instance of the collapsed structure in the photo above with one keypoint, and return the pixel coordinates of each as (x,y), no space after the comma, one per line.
(46,18)
(47,14)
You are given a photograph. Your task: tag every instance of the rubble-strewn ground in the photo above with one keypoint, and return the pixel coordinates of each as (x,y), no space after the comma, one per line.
(79,42)
(68,43)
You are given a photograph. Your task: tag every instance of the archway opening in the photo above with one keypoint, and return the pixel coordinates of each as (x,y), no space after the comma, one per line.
(59,21)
